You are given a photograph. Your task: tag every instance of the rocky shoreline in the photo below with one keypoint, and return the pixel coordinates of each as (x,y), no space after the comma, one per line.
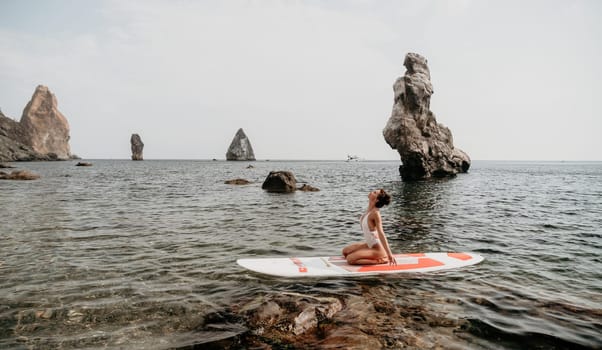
(376,318)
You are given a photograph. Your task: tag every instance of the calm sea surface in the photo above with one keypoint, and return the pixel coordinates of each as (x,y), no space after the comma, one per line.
(135,254)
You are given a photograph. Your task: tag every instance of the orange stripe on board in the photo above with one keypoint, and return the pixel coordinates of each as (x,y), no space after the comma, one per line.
(422,263)
(460,256)
(300,265)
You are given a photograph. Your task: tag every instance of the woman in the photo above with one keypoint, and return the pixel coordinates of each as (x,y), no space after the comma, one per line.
(376,248)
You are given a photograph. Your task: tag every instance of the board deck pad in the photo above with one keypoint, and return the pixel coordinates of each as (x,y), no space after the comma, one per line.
(338,266)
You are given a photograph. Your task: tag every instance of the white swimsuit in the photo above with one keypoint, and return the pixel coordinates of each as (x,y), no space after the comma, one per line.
(371,237)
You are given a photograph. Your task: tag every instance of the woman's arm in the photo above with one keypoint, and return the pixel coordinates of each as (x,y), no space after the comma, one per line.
(383,238)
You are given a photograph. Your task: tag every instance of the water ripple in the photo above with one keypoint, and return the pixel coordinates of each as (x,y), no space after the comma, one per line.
(138,254)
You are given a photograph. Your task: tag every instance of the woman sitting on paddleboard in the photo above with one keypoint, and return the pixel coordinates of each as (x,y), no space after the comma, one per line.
(376,248)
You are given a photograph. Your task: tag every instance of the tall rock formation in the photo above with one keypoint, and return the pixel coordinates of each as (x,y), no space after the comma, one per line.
(240,148)
(137,147)
(426,148)
(46,129)
(42,133)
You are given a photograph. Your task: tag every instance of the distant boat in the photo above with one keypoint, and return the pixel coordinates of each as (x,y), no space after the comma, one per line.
(351,158)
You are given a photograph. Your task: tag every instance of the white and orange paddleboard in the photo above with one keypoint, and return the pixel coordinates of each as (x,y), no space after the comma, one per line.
(338,266)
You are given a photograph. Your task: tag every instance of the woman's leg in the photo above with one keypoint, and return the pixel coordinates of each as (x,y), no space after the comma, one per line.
(367,256)
(382,260)
(353,247)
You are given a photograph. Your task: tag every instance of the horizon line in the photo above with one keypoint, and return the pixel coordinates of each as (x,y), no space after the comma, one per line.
(336,160)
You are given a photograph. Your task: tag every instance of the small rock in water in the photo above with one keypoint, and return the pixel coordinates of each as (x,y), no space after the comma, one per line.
(46,314)
(267,314)
(347,337)
(75,316)
(237,182)
(305,320)
(308,188)
(83,164)
(19,175)
(22,339)
(280,181)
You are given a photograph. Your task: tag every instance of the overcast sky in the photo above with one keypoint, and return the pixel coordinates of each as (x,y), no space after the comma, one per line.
(513,80)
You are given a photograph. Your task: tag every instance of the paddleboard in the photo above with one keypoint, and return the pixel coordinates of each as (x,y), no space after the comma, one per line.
(338,266)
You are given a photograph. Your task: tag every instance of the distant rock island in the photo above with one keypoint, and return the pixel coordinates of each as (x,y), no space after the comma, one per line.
(137,147)
(426,148)
(240,148)
(41,134)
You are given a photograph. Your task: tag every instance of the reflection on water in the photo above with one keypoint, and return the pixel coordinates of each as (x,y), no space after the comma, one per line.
(141,254)
(417,207)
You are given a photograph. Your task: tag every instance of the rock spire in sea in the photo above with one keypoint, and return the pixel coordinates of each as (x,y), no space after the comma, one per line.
(137,147)
(240,148)
(426,147)
(46,129)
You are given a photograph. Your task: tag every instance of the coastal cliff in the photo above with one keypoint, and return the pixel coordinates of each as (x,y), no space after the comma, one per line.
(41,134)
(11,148)
(426,147)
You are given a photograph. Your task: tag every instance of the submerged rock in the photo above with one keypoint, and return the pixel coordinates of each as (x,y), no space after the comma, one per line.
(377,317)
(308,188)
(237,182)
(289,317)
(137,147)
(280,182)
(19,175)
(240,148)
(426,147)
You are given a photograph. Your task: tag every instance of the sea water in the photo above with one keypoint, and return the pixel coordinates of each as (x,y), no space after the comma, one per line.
(136,254)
